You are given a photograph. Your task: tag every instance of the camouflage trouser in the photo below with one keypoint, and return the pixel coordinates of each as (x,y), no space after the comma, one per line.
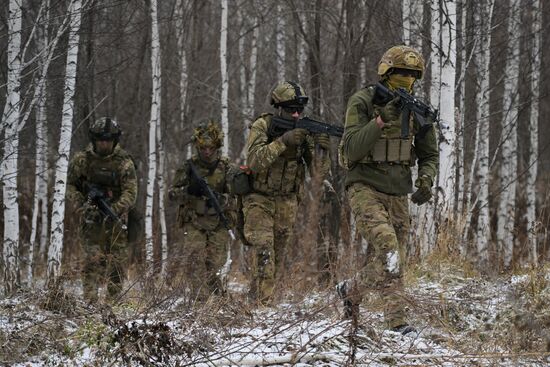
(105,247)
(268,222)
(383,220)
(199,256)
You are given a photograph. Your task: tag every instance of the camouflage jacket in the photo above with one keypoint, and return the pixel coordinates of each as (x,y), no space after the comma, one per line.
(115,174)
(362,135)
(278,169)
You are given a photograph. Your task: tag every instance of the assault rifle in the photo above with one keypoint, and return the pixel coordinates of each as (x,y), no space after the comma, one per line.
(212,198)
(279,126)
(424,114)
(97,196)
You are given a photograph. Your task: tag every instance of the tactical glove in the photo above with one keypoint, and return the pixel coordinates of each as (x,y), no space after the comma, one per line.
(390,112)
(424,190)
(90,213)
(322,140)
(294,137)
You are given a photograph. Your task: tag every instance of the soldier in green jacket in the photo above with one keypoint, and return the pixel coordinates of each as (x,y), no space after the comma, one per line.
(278,165)
(378,180)
(201,251)
(103,166)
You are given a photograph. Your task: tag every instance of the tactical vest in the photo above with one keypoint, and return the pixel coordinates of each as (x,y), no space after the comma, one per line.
(105,172)
(215,177)
(391,147)
(286,174)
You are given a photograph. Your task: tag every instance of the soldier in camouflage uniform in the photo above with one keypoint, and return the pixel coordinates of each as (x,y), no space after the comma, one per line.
(107,167)
(378,180)
(202,251)
(278,169)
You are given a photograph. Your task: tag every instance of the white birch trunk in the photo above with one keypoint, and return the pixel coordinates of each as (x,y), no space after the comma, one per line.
(58,207)
(224,78)
(182,56)
(280,44)
(406,11)
(162,195)
(153,122)
(461,120)
(10,121)
(483,233)
(508,168)
(302,51)
(40,201)
(447,151)
(531,189)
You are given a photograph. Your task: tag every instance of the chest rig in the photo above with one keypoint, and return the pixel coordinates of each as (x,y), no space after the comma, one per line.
(286,173)
(214,175)
(104,172)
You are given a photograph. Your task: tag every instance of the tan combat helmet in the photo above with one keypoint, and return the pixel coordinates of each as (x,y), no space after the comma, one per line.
(288,94)
(104,128)
(401,57)
(208,134)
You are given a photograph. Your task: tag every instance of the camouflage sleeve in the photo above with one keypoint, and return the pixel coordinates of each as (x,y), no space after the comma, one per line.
(261,153)
(360,131)
(427,152)
(317,157)
(128,187)
(178,190)
(75,177)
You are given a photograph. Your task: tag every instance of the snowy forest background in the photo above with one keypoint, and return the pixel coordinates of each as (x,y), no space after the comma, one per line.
(161,67)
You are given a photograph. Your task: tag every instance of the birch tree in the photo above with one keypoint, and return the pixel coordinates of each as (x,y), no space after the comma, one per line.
(182,57)
(153,122)
(58,206)
(508,169)
(280,43)
(530,215)
(224,77)
(162,196)
(40,201)
(483,57)
(10,121)
(447,152)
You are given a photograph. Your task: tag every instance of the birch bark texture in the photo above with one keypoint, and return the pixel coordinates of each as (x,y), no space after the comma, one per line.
(509,147)
(10,122)
(153,122)
(483,60)
(224,77)
(58,206)
(532,172)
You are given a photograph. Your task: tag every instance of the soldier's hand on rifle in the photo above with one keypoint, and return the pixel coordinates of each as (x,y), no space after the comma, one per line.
(294,137)
(390,112)
(90,213)
(322,140)
(424,190)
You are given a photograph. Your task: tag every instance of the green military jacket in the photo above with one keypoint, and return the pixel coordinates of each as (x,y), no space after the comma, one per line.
(115,174)
(276,168)
(194,206)
(362,137)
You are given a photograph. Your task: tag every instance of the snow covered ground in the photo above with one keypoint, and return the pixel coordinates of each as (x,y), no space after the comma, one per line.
(461,321)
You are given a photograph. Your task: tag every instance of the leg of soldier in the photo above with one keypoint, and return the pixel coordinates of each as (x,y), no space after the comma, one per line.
(216,254)
(285,216)
(94,260)
(194,263)
(382,271)
(259,211)
(117,257)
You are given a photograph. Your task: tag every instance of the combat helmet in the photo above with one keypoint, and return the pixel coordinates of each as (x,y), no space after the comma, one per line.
(208,134)
(401,57)
(105,128)
(288,94)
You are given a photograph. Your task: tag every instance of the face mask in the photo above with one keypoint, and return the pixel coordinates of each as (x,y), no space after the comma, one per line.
(396,81)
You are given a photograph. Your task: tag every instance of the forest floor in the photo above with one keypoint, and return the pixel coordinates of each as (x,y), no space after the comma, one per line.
(461,320)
